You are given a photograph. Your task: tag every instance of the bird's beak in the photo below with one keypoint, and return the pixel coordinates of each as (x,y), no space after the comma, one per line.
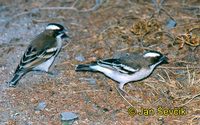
(66,35)
(164,60)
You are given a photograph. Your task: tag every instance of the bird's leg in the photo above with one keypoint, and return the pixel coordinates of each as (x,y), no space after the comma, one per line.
(122,93)
(121,85)
(51,73)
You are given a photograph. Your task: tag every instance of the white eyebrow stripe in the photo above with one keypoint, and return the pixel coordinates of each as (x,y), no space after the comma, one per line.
(51,50)
(151,54)
(52,27)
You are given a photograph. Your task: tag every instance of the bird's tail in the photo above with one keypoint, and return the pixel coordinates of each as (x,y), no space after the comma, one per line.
(13,82)
(84,67)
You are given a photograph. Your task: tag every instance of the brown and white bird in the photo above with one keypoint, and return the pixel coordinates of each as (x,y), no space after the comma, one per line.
(41,52)
(127,68)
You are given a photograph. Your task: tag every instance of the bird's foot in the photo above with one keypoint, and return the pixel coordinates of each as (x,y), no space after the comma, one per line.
(52,74)
(122,91)
(11,85)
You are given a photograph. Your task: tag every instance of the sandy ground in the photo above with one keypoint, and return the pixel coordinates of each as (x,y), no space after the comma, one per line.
(102,29)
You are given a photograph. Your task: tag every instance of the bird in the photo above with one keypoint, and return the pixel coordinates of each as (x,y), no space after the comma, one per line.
(41,52)
(127,68)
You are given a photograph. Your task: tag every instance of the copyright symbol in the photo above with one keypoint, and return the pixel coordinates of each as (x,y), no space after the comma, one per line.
(132,111)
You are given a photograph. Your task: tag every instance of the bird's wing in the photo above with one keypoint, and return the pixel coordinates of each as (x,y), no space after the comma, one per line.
(118,65)
(34,56)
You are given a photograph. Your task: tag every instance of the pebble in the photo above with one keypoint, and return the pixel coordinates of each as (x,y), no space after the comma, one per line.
(80,58)
(91,81)
(41,106)
(68,116)
(35,11)
(171,24)
(181,72)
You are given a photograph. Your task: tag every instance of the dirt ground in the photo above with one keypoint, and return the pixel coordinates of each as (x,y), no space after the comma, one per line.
(103,29)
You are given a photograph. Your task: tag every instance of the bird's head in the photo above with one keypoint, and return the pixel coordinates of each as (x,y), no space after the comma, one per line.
(155,57)
(57,30)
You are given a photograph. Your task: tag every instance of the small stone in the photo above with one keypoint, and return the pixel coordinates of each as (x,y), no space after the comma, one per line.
(171,24)
(105,109)
(41,106)
(15,115)
(80,58)
(68,116)
(35,12)
(181,72)
(91,81)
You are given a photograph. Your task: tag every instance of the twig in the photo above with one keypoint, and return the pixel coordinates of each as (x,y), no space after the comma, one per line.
(168,34)
(39,21)
(193,78)
(13,44)
(166,95)
(143,48)
(158,6)
(156,101)
(123,97)
(191,8)
(76,92)
(67,44)
(95,7)
(18,15)
(74,3)
(21,14)
(195,96)
(179,84)
(108,28)
(168,76)
(188,24)
(58,8)
(163,80)
(167,14)
(193,118)
(189,76)
(175,68)
(154,89)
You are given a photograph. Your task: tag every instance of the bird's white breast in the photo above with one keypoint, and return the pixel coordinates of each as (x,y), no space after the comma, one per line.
(59,42)
(45,65)
(122,77)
